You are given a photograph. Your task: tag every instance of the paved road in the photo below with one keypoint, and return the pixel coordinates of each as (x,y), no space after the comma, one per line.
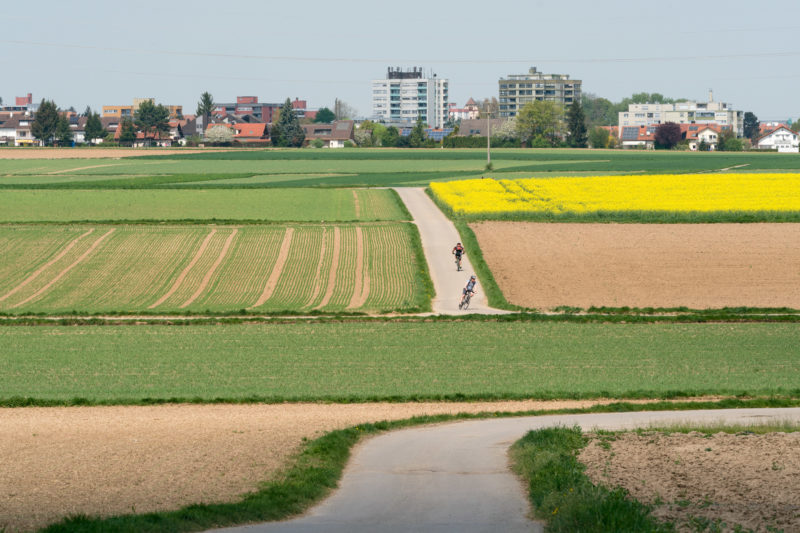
(455,477)
(439,236)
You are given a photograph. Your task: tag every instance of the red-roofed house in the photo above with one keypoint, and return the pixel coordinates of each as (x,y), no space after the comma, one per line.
(251,132)
(782,139)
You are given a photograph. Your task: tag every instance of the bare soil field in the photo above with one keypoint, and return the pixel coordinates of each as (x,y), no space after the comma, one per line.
(115,460)
(95,153)
(541,265)
(748,480)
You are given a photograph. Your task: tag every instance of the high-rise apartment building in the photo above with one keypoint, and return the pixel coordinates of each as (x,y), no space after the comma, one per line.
(516,90)
(405,95)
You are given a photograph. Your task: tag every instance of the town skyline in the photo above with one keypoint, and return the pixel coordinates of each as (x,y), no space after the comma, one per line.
(89,53)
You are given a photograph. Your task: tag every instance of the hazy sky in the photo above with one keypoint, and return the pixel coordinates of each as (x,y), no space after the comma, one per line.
(101,52)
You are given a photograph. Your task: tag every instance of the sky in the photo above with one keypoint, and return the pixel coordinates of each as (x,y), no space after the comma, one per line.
(100,52)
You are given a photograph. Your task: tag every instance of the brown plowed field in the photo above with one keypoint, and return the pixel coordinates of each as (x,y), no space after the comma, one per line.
(115,460)
(699,266)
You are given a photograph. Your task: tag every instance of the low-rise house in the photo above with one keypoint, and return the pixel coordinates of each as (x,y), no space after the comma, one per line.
(251,133)
(637,137)
(781,139)
(333,135)
(470,127)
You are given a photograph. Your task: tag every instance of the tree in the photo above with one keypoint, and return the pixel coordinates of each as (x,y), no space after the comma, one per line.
(390,137)
(151,119)
(219,134)
(539,119)
(576,125)
(94,127)
(489,107)
(127,132)
(598,137)
(46,121)
(599,111)
(63,133)
(324,115)
(751,125)
(416,139)
(727,141)
(507,131)
(342,110)
(206,104)
(87,112)
(668,135)
(287,131)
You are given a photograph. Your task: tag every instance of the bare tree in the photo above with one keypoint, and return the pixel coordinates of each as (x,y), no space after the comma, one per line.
(342,110)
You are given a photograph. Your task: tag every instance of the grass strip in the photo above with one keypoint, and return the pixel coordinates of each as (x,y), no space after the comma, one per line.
(563,495)
(317,469)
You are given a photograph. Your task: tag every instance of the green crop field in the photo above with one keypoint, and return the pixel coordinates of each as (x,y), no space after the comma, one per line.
(296,205)
(195,268)
(361,361)
(346,168)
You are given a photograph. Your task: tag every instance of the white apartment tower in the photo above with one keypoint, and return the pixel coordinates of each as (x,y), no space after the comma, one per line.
(405,95)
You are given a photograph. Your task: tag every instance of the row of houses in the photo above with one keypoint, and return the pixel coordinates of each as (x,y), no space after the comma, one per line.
(771,137)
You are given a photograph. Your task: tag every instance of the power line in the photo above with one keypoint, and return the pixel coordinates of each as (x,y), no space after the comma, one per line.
(312,59)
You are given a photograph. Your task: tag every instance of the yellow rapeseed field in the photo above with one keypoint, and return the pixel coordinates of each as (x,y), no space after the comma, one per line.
(664,193)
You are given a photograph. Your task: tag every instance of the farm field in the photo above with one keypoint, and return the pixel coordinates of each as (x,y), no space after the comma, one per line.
(643,198)
(296,205)
(700,266)
(363,168)
(157,269)
(365,361)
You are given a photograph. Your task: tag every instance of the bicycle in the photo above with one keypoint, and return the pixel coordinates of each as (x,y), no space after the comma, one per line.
(458,262)
(464,304)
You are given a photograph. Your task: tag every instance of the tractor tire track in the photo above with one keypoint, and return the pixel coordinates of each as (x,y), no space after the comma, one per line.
(361,289)
(186,270)
(337,244)
(319,270)
(207,277)
(272,282)
(64,272)
(44,267)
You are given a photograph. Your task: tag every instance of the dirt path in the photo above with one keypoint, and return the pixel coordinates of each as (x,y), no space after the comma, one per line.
(44,267)
(210,273)
(99,153)
(439,236)
(272,282)
(361,289)
(64,272)
(111,460)
(337,243)
(186,270)
(82,168)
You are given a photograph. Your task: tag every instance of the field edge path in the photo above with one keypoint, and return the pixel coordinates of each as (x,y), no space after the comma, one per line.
(439,236)
(456,477)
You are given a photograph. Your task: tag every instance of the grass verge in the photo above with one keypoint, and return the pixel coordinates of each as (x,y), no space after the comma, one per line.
(564,496)
(316,470)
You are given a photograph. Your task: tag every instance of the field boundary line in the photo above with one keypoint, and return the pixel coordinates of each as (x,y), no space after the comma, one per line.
(41,269)
(66,270)
(272,282)
(207,277)
(356,204)
(362,278)
(319,269)
(81,168)
(186,270)
(337,244)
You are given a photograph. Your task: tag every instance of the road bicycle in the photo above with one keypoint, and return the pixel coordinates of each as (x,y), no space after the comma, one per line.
(464,304)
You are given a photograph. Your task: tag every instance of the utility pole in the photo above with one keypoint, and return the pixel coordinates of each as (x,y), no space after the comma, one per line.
(488,139)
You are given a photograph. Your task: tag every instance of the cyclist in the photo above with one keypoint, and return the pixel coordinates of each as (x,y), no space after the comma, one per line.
(469,289)
(458,251)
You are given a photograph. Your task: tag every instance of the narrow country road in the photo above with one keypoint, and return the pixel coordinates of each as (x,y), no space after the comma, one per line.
(439,236)
(455,476)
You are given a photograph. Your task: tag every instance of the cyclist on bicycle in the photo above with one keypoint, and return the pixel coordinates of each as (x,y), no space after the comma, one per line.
(458,251)
(469,289)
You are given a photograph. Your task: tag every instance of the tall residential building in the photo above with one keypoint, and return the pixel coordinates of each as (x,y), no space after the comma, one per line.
(689,112)
(405,95)
(516,90)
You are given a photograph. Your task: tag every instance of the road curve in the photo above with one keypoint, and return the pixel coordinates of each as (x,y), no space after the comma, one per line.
(439,236)
(455,477)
